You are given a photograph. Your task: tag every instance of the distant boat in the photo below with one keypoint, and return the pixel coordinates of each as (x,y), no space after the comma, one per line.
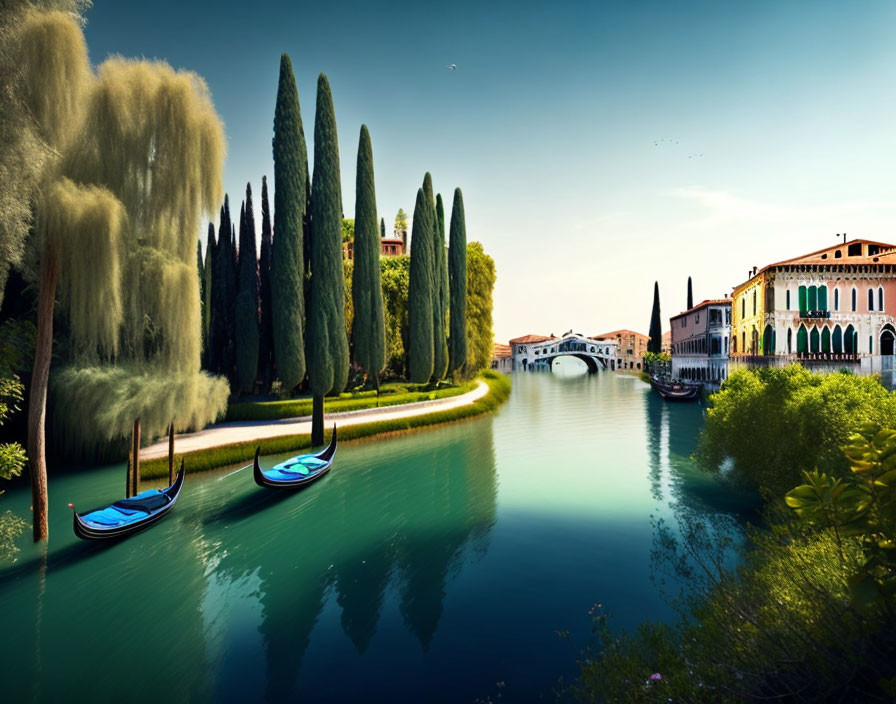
(128,516)
(296,472)
(672,391)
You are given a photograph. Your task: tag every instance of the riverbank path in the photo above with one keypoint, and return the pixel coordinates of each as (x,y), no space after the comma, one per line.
(247,431)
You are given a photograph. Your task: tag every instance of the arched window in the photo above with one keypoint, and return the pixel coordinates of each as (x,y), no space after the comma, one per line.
(837,340)
(836,299)
(789,341)
(870,299)
(854,299)
(754,301)
(802,340)
(754,341)
(812,303)
(822,298)
(788,299)
(880,298)
(743,308)
(768,340)
(743,342)
(826,339)
(870,344)
(849,340)
(813,340)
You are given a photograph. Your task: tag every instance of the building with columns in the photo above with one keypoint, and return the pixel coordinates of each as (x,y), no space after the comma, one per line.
(631,347)
(829,310)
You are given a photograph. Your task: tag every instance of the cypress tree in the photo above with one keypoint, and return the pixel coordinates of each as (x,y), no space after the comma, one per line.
(440,291)
(420,295)
(457,281)
(265,326)
(690,295)
(382,228)
(655,344)
(326,339)
(246,338)
(368,328)
(290,207)
(222,295)
(200,271)
(207,296)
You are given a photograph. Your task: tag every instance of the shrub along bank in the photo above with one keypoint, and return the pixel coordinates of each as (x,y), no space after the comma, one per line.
(393,394)
(225,455)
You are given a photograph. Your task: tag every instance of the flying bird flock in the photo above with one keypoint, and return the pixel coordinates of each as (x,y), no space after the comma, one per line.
(658,142)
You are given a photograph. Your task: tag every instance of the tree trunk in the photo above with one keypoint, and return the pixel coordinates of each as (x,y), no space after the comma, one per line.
(171,454)
(136,450)
(317,421)
(376,384)
(37,400)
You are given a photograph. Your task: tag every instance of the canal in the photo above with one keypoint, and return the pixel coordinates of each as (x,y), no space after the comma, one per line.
(452,564)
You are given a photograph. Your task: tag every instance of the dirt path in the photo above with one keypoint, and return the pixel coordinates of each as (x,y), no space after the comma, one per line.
(245,431)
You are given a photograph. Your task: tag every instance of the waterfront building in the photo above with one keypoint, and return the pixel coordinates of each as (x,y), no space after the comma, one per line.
(700,341)
(831,309)
(534,352)
(502,358)
(666,346)
(631,346)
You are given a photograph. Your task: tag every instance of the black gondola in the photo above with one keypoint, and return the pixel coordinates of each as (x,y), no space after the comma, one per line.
(128,515)
(296,472)
(671,391)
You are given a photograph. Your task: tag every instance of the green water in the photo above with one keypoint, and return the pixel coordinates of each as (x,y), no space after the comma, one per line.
(430,567)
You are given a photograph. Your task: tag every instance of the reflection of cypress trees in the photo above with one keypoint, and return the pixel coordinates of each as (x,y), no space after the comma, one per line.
(406,508)
(654,407)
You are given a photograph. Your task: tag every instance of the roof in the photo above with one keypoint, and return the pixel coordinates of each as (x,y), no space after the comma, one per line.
(703,304)
(828,256)
(500,350)
(618,333)
(392,240)
(530,339)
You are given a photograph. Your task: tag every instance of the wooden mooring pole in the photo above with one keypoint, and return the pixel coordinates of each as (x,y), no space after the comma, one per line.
(171,454)
(136,463)
(130,482)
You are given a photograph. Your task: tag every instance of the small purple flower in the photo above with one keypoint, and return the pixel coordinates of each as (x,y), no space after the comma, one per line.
(656,676)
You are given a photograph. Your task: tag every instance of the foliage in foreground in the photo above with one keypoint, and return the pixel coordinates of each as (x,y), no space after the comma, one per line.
(808,617)
(773,423)
(12,460)
(215,458)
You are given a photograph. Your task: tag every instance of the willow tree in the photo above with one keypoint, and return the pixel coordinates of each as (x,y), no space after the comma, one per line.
(290,206)
(265,323)
(420,295)
(246,338)
(137,157)
(457,284)
(368,328)
(327,343)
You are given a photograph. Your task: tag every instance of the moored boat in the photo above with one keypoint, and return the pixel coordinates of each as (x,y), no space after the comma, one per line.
(128,516)
(673,391)
(296,472)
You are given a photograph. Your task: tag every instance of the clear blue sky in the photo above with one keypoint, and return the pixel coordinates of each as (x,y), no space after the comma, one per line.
(552,125)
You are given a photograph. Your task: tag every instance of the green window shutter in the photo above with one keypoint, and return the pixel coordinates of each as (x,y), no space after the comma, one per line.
(812,303)
(826,340)
(822,298)
(837,341)
(802,340)
(813,340)
(803,299)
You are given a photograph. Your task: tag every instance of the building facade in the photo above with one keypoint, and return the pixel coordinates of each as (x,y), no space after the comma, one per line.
(829,310)
(700,340)
(502,358)
(630,347)
(395,246)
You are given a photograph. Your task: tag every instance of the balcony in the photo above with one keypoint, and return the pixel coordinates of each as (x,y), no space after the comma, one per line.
(815,314)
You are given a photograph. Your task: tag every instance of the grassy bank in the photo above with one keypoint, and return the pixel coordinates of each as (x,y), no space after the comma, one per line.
(393,394)
(225,455)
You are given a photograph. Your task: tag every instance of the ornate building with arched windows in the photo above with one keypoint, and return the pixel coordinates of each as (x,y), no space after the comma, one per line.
(831,309)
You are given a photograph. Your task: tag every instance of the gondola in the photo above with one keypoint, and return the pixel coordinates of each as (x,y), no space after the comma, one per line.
(296,472)
(128,516)
(671,391)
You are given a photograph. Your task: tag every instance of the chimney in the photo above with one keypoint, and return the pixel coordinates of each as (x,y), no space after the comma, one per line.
(754,271)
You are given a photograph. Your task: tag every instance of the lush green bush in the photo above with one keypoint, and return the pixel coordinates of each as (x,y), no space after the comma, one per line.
(775,423)
(226,455)
(808,617)
(393,394)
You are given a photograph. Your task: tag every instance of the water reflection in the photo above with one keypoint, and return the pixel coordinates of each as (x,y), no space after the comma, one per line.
(405,521)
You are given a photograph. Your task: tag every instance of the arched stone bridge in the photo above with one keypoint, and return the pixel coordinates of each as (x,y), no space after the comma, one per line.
(533,353)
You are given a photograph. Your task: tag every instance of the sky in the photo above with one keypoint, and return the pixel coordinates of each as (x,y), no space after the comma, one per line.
(600,146)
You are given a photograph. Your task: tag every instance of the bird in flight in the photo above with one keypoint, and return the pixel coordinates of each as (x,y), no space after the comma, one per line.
(452,67)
